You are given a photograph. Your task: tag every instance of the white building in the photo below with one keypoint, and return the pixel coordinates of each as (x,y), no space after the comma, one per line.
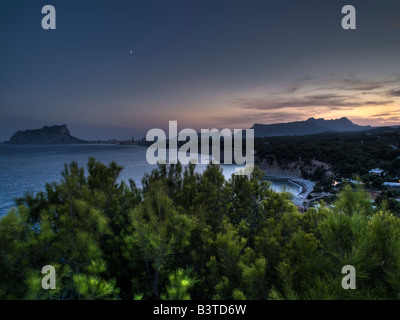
(376,171)
(391,184)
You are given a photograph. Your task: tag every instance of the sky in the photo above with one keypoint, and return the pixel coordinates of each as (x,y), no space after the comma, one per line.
(203,63)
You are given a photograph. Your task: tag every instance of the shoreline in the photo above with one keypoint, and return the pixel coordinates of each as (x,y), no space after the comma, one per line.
(306,187)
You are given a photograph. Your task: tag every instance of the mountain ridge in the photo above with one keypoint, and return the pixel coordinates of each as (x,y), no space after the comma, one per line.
(309,126)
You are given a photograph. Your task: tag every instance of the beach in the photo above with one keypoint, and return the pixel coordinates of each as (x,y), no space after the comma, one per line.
(305,186)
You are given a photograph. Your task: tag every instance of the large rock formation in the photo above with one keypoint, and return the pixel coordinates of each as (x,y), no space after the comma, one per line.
(46,135)
(310,126)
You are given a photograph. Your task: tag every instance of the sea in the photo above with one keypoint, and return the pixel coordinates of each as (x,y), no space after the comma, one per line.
(27,168)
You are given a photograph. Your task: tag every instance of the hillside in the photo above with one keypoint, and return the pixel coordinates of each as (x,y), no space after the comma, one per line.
(310,126)
(347,153)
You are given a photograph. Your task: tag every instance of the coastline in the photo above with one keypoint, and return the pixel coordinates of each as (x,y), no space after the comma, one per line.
(306,187)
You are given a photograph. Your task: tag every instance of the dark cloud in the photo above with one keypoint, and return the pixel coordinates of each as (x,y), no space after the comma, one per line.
(329,101)
(353,83)
(377,103)
(356,84)
(261,117)
(366,87)
(315,96)
(388,113)
(293,88)
(381,115)
(296,85)
(394,93)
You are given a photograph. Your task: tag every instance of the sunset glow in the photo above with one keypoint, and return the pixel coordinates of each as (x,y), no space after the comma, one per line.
(258,63)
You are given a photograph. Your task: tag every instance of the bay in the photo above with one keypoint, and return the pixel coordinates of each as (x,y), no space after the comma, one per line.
(29,167)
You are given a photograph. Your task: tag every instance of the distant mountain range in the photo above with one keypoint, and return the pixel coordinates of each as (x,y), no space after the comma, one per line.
(310,126)
(46,135)
(61,135)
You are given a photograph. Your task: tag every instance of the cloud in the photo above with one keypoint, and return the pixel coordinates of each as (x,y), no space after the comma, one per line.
(357,84)
(353,83)
(381,115)
(377,103)
(377,122)
(309,101)
(396,118)
(313,97)
(247,120)
(296,85)
(326,94)
(394,93)
(329,101)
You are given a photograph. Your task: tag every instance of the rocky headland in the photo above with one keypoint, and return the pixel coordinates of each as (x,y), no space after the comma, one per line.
(46,135)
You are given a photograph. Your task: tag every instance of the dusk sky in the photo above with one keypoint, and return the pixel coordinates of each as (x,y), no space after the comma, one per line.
(204,63)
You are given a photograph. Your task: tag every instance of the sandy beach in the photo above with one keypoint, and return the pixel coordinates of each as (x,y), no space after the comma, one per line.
(305,185)
(306,188)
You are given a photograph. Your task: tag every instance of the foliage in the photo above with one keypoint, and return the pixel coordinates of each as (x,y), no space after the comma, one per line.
(348,154)
(193,236)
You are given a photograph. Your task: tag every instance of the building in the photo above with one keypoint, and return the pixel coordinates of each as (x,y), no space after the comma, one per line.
(376,171)
(392,184)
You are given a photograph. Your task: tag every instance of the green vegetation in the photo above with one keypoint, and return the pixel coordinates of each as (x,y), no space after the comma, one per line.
(329,157)
(193,236)
(388,199)
(349,154)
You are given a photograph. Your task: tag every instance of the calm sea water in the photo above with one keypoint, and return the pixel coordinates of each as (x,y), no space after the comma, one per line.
(29,168)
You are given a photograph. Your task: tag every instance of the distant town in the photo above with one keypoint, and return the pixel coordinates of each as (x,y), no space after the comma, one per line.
(130,142)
